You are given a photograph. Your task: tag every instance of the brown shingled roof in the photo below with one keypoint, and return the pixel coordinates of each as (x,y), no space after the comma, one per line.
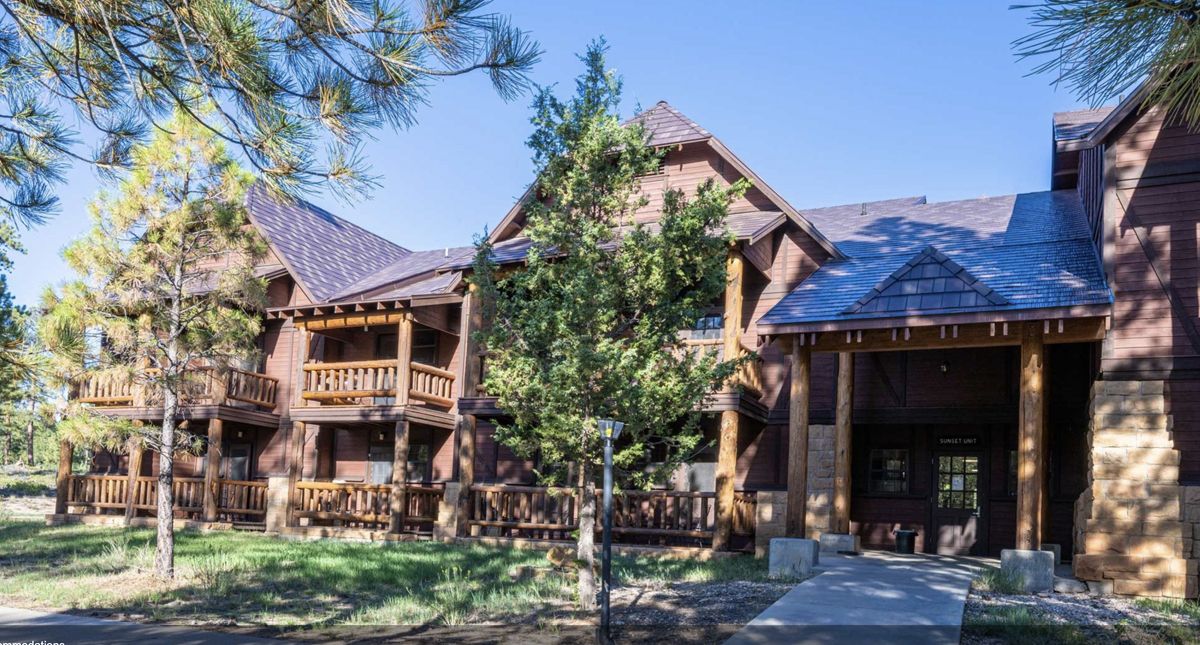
(668,126)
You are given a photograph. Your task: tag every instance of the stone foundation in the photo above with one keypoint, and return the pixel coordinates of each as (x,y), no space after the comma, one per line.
(770,519)
(1132,518)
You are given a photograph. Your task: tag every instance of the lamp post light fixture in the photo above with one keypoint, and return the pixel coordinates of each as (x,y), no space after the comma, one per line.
(610,430)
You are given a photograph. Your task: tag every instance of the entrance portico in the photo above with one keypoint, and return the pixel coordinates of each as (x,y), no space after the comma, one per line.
(937,471)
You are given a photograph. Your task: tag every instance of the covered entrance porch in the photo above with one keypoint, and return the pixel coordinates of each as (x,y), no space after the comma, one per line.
(944,427)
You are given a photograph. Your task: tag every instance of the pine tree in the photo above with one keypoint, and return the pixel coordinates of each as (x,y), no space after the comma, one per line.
(1105,48)
(295,87)
(589,328)
(166,279)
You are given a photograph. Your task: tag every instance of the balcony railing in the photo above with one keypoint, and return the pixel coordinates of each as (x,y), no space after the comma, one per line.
(361,382)
(748,375)
(536,512)
(364,505)
(201,385)
(237,501)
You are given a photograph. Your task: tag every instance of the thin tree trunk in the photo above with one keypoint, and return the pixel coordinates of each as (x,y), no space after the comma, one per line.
(164,554)
(585,556)
(29,434)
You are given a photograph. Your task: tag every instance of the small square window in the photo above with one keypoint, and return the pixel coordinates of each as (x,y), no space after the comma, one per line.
(889,471)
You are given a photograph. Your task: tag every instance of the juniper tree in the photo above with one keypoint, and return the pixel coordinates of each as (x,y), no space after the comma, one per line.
(296,86)
(590,327)
(166,278)
(1104,48)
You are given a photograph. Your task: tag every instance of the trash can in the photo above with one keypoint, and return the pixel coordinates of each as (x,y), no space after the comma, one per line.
(906,540)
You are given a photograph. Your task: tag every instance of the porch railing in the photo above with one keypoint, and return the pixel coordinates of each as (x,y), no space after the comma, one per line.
(363,505)
(201,385)
(237,501)
(748,375)
(357,382)
(638,516)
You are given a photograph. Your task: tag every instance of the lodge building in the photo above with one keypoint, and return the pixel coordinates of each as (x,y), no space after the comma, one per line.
(1003,372)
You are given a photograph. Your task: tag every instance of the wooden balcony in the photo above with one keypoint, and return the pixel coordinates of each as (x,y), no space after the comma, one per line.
(203,385)
(375,383)
(748,376)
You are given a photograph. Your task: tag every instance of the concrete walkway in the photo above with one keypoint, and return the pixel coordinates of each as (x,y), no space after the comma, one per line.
(23,625)
(872,598)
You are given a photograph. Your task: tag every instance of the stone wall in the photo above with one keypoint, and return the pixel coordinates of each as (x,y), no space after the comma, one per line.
(1135,536)
(820,480)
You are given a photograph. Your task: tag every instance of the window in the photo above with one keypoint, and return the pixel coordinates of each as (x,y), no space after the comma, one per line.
(418,462)
(385,346)
(425,346)
(709,326)
(889,471)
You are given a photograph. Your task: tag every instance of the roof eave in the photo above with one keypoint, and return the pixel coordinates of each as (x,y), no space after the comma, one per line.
(933,319)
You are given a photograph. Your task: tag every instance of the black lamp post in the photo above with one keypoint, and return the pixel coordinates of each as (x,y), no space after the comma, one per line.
(609,430)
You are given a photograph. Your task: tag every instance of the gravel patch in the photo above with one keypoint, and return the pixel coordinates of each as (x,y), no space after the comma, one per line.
(1112,618)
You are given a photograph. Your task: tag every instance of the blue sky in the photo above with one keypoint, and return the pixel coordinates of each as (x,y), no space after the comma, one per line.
(829,102)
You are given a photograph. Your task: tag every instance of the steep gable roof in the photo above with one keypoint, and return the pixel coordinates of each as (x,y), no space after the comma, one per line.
(410,266)
(667,126)
(323,252)
(928,281)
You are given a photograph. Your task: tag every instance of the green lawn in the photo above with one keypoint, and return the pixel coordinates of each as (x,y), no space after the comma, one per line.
(257,580)
(18,482)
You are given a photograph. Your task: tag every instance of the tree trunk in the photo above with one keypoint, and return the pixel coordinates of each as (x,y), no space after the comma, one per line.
(29,434)
(585,556)
(164,554)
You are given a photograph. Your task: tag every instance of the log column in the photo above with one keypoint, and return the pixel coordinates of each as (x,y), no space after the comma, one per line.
(399,477)
(843,442)
(727,446)
(295,468)
(404,331)
(797,478)
(1031,430)
(62,480)
(470,324)
(212,470)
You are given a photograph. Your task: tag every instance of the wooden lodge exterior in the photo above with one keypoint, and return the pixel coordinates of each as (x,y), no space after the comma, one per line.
(994,373)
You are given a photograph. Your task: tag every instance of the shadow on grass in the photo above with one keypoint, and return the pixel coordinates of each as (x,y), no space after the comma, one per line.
(287,586)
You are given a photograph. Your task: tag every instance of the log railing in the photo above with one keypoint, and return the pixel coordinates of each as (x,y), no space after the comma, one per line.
(238,500)
(748,375)
(339,382)
(98,492)
(363,505)
(432,385)
(201,385)
(638,516)
(251,387)
(352,382)
(745,512)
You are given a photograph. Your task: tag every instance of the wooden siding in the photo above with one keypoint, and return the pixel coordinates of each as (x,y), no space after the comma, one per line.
(686,170)
(1154,259)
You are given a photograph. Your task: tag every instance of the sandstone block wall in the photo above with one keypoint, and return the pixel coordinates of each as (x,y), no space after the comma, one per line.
(820,480)
(1132,519)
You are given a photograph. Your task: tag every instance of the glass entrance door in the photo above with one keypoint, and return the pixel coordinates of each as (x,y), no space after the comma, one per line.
(958,504)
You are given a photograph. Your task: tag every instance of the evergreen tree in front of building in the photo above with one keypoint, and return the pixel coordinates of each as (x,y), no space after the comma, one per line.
(590,327)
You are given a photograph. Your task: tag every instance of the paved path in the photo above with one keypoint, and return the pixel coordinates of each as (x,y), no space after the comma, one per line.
(872,598)
(23,625)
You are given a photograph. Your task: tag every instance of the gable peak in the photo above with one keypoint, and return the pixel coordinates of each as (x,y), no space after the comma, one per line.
(930,280)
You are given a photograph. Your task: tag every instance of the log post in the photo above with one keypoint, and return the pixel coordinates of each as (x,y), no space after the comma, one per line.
(404,332)
(295,469)
(399,477)
(843,443)
(212,471)
(301,336)
(470,323)
(1031,429)
(133,468)
(797,473)
(728,441)
(62,480)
